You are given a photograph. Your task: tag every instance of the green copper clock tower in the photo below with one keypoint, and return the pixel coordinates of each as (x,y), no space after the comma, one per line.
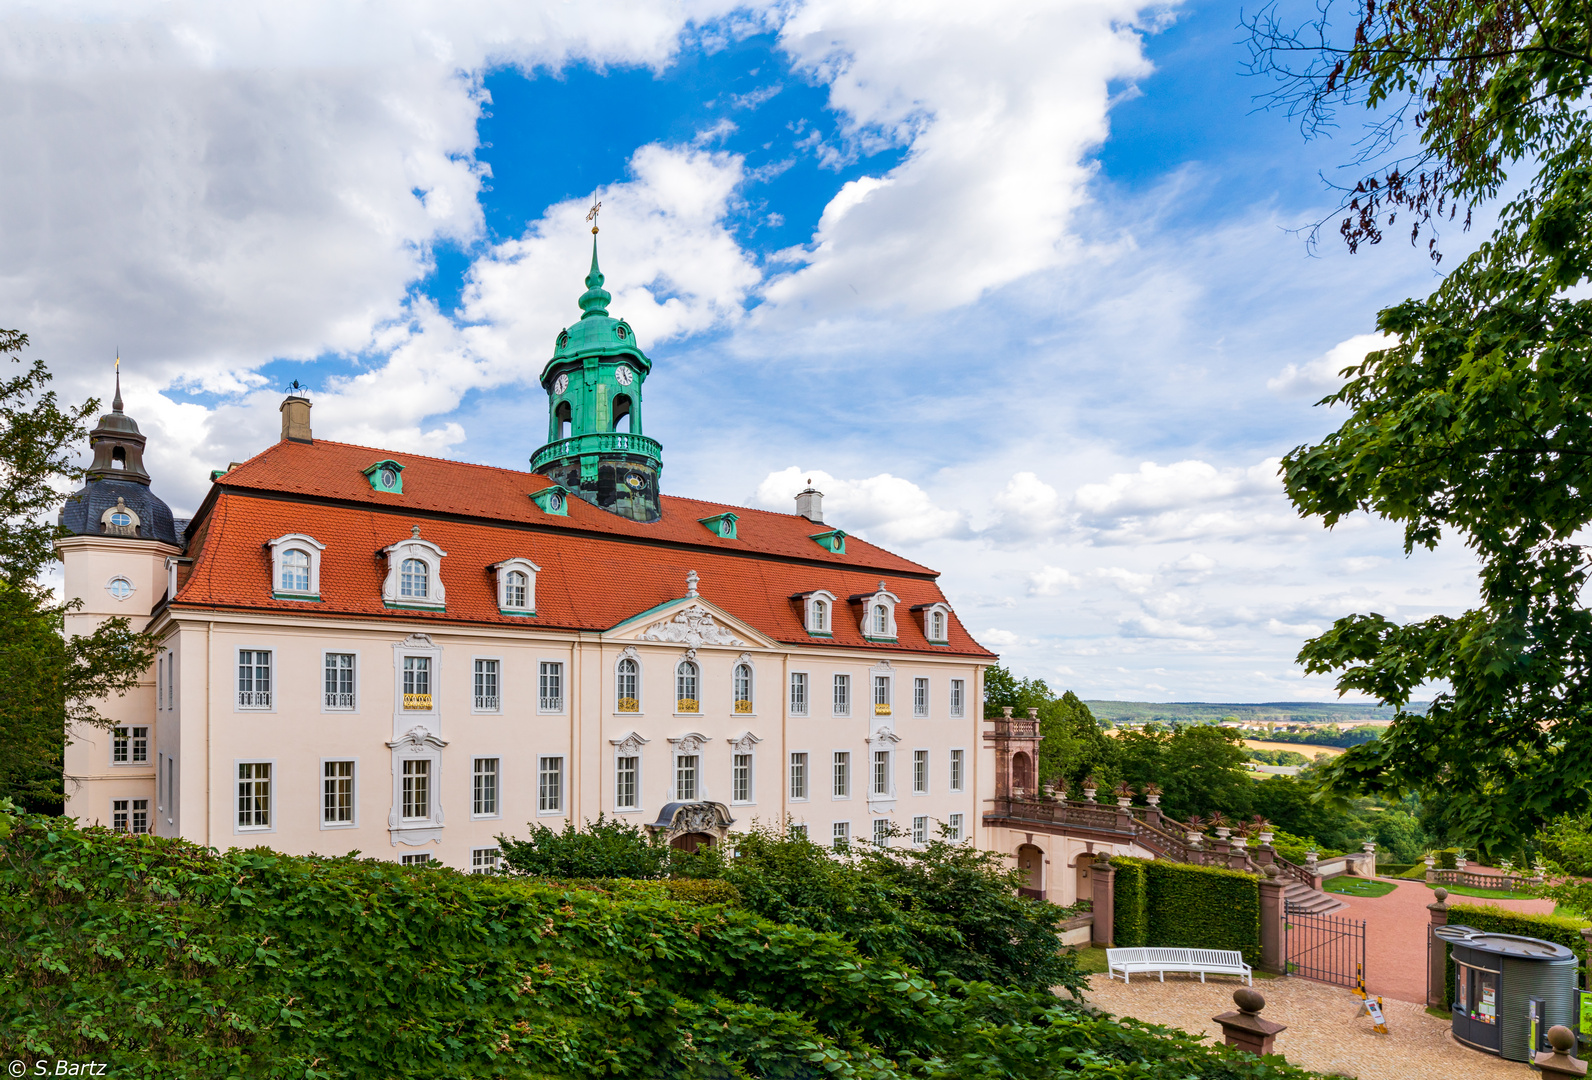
(595,446)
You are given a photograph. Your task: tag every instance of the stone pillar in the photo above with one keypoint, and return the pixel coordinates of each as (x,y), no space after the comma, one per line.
(1558,1064)
(1264,855)
(1437,954)
(1271,913)
(1124,819)
(1245,1029)
(1101,875)
(1152,817)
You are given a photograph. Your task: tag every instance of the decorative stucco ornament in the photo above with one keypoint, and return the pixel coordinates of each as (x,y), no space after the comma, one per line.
(693,626)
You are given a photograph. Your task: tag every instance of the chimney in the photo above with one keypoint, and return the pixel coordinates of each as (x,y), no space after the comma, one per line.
(296,419)
(810,503)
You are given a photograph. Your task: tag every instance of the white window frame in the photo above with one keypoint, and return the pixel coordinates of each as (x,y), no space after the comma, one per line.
(485,860)
(432,773)
(503,570)
(476,707)
(737,795)
(436,598)
(630,747)
(920,829)
(875,681)
(279,548)
(881,832)
(745,746)
(237,664)
(799,829)
(418,858)
(840,769)
(921,764)
(804,706)
(418,743)
(958,826)
(743,661)
(958,698)
(835,707)
(920,697)
(132,745)
(561,773)
(630,655)
(693,744)
(160,682)
(416,645)
(497,786)
(274,780)
(353,795)
(132,808)
(171,680)
(696,677)
(351,709)
(943,610)
(956,762)
(562,704)
(807,775)
(881,774)
(840,835)
(873,600)
(809,616)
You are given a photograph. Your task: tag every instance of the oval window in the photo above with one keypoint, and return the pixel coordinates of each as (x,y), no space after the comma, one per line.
(121,520)
(119,587)
(389,478)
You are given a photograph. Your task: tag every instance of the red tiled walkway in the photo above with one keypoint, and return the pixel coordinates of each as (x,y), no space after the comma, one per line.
(1395,935)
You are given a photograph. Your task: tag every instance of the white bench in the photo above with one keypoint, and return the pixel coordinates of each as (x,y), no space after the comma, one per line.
(1192,961)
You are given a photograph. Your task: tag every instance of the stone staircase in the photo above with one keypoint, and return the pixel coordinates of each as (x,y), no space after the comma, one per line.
(1302,897)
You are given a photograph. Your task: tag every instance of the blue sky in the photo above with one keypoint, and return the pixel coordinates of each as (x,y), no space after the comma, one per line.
(1020,287)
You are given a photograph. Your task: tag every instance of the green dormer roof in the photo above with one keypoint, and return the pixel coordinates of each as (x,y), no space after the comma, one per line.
(597,333)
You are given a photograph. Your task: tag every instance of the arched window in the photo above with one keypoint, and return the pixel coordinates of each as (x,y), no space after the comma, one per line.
(563,417)
(622,412)
(743,688)
(881,620)
(121,520)
(686,680)
(1022,772)
(821,616)
(938,626)
(119,458)
(628,687)
(414,579)
(295,570)
(514,590)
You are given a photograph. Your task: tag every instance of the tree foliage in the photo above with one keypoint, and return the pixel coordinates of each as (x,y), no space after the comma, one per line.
(1074,746)
(1200,767)
(1477,423)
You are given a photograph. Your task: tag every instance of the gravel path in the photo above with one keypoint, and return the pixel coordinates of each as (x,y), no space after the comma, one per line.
(1323,1032)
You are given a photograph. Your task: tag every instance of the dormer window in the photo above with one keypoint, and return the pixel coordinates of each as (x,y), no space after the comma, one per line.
(936,622)
(878,622)
(386,476)
(414,574)
(721,525)
(818,611)
(516,584)
(296,567)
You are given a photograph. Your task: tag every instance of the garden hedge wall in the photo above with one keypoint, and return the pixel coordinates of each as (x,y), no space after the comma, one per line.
(1176,905)
(1498,920)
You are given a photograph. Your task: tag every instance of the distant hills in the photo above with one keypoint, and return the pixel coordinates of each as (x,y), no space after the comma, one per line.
(1274,712)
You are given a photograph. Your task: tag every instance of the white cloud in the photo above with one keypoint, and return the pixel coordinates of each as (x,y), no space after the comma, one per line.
(1126,580)
(993,636)
(1320,376)
(1294,630)
(882,509)
(1186,500)
(1051,580)
(1149,627)
(1000,104)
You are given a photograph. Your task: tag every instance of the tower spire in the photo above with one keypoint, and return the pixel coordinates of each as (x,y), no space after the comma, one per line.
(594,301)
(116,402)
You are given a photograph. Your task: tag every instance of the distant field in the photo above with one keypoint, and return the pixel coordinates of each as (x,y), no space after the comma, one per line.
(1280,712)
(1306,749)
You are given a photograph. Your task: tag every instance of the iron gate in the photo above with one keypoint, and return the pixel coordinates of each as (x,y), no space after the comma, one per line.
(1323,947)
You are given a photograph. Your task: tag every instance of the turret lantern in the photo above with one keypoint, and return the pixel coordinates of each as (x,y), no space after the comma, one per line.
(595,446)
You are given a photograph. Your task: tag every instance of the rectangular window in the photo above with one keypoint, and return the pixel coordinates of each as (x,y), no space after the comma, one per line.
(798,693)
(417,683)
(486,686)
(171,681)
(842,835)
(484,787)
(920,697)
(140,815)
(550,785)
(118,815)
(842,774)
(956,826)
(340,680)
(171,782)
(484,860)
(920,772)
(130,815)
(956,698)
(881,832)
(550,687)
(881,772)
(254,679)
(741,779)
(685,777)
(337,793)
(417,789)
(842,695)
(920,829)
(881,695)
(956,769)
(798,832)
(160,683)
(415,860)
(130,746)
(798,776)
(627,782)
(254,795)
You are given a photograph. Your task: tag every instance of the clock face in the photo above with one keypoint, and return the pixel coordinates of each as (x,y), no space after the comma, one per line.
(624,375)
(635,481)
(561,384)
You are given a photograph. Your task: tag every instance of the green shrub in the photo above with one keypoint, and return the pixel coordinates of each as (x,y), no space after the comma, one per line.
(1293,847)
(1196,907)
(1130,898)
(702,891)
(1416,872)
(605,848)
(1445,859)
(1393,869)
(1497,920)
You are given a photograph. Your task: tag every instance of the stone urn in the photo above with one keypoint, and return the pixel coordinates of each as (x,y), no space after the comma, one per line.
(1240,842)
(1124,802)
(1153,799)
(1223,832)
(1089,794)
(1310,858)
(1369,847)
(1265,837)
(1460,862)
(1193,836)
(1430,861)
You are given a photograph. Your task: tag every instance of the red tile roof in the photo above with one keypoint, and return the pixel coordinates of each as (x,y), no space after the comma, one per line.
(597,569)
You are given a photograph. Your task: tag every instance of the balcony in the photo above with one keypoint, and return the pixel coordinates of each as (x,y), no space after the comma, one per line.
(549,704)
(254,699)
(417,702)
(881,710)
(627,704)
(485,703)
(743,706)
(607,442)
(686,704)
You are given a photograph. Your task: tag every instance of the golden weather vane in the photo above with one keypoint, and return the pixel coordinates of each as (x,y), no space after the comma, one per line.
(591,215)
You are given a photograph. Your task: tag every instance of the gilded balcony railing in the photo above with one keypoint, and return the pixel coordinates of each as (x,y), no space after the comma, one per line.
(743,706)
(881,710)
(417,701)
(686,704)
(627,704)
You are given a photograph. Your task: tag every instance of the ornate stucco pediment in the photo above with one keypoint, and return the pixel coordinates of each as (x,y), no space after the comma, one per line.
(691,743)
(884,735)
(630,744)
(692,626)
(417,740)
(744,744)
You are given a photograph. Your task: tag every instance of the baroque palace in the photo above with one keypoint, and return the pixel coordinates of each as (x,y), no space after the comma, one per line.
(365,649)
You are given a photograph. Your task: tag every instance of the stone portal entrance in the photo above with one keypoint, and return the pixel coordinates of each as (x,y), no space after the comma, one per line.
(690,825)
(691,841)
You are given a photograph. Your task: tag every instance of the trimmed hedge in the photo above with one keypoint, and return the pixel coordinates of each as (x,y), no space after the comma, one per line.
(1416,872)
(1180,906)
(1497,920)
(1395,869)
